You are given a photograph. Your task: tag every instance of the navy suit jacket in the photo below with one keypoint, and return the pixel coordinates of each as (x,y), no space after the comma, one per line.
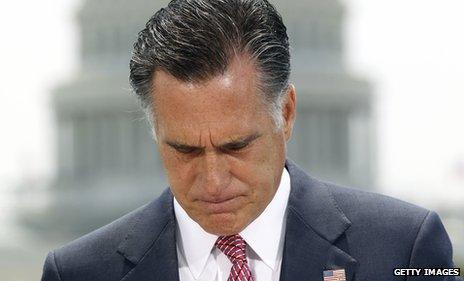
(327,227)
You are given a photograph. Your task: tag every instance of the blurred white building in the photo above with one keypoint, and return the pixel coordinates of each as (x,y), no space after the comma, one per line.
(107,161)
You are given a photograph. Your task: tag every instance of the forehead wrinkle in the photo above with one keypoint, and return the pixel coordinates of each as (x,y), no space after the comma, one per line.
(237,139)
(199,138)
(211,137)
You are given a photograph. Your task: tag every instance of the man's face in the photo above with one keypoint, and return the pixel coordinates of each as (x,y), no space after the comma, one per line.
(221,151)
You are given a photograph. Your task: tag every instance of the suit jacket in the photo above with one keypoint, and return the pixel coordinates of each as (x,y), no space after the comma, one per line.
(328,227)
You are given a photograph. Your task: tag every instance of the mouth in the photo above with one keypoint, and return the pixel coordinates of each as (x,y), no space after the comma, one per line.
(221,206)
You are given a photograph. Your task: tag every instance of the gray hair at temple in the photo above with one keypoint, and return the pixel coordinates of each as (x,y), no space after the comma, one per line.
(195,40)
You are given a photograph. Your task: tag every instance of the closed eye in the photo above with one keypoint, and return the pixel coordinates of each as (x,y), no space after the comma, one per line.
(186,149)
(239,145)
(232,146)
(235,146)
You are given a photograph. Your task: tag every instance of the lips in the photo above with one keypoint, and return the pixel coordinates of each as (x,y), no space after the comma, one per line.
(221,205)
(219,199)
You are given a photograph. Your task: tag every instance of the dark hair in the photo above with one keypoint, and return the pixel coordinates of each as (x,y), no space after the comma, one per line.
(194,40)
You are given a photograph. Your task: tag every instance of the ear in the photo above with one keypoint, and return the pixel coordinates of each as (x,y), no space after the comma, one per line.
(289,111)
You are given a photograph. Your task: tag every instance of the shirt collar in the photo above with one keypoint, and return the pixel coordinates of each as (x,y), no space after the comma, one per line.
(265,243)
(196,244)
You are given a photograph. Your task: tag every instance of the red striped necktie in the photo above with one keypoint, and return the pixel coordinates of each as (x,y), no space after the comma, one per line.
(234,247)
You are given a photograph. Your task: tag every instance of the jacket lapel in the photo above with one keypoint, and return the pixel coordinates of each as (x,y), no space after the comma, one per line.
(150,247)
(314,226)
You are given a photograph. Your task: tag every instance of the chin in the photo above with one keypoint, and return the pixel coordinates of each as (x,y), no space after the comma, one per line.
(222,224)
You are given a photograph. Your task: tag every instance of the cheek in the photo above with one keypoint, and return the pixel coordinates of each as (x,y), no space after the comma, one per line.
(178,172)
(266,170)
(258,177)
(261,164)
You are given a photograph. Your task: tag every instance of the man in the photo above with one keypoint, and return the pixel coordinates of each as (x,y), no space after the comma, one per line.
(213,77)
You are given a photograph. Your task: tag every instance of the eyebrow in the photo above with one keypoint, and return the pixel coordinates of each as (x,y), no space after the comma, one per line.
(234,143)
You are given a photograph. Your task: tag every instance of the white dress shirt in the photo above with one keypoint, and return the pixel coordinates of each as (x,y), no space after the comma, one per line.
(200,260)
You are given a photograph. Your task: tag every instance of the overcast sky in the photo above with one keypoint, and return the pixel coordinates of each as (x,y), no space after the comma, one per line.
(411,50)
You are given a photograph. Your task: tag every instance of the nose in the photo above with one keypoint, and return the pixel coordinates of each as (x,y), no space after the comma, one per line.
(216,175)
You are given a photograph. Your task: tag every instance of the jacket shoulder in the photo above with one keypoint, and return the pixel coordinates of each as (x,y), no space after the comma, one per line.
(92,255)
(105,237)
(382,228)
(365,206)
(96,255)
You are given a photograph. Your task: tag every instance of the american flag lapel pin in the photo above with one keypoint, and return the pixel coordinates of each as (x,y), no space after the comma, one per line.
(334,275)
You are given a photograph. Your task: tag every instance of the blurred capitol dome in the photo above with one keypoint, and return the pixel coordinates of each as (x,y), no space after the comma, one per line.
(107,162)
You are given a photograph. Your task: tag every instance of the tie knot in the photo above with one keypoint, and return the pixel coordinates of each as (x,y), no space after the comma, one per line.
(233,246)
